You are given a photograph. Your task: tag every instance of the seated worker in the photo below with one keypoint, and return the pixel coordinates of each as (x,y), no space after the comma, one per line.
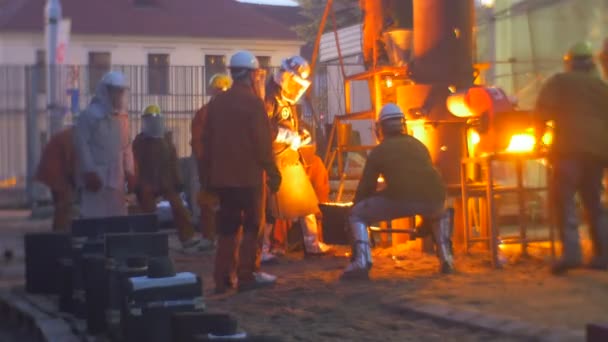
(157,174)
(413,187)
(56,170)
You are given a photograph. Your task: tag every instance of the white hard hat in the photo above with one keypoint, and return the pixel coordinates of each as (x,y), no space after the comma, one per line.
(244,60)
(115,79)
(390,111)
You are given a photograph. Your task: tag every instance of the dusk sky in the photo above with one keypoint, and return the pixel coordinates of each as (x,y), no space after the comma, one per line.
(272,2)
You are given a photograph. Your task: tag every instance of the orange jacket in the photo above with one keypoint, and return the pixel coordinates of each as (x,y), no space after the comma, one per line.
(196,131)
(319,177)
(58,162)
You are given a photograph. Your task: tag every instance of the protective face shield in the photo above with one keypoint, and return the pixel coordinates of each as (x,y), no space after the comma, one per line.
(119,98)
(292,85)
(117,89)
(579,57)
(153,126)
(258,82)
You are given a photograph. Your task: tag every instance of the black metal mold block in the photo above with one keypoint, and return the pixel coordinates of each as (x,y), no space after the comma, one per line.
(98,227)
(335,224)
(148,311)
(123,246)
(42,254)
(187,325)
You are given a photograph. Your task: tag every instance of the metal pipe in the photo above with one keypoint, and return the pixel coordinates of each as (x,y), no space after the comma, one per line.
(443,42)
(52,18)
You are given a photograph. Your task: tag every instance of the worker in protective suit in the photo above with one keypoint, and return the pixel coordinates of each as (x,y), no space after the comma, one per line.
(56,170)
(576,101)
(319,178)
(237,152)
(412,187)
(207,202)
(103,149)
(283,91)
(157,174)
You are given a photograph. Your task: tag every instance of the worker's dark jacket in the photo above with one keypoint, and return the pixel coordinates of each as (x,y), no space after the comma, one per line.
(58,162)
(156,163)
(405,164)
(237,143)
(577,102)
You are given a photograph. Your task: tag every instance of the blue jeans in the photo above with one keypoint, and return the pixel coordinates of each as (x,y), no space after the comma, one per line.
(379,208)
(572,176)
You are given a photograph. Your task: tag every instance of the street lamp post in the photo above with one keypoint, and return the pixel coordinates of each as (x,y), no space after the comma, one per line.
(52,19)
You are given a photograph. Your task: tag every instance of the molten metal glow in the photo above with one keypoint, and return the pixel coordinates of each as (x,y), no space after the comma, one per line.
(389,82)
(474,138)
(417,130)
(547,138)
(524,142)
(457,105)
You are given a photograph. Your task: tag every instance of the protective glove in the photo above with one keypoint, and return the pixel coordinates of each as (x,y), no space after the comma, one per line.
(296,142)
(305,137)
(92,182)
(274,182)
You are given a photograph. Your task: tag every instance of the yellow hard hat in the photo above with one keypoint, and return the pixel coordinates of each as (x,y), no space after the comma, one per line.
(220,82)
(152,110)
(579,50)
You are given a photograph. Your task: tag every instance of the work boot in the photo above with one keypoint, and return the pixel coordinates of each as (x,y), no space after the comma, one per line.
(267,255)
(361,261)
(572,255)
(196,245)
(599,238)
(225,258)
(310,231)
(249,279)
(442,234)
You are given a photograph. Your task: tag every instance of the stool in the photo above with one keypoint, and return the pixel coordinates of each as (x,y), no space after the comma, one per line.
(390,230)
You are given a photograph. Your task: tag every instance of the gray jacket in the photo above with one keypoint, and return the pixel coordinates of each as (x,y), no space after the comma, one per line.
(103,143)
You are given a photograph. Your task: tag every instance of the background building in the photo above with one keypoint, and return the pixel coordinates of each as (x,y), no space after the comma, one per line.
(168,48)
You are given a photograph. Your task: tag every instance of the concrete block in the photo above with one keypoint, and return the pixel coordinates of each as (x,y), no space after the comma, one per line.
(597,332)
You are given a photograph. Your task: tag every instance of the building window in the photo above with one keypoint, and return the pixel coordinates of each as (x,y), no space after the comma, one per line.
(40,67)
(158,74)
(99,64)
(214,64)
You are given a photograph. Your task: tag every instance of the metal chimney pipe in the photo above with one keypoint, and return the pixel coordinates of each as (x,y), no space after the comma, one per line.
(52,17)
(443,42)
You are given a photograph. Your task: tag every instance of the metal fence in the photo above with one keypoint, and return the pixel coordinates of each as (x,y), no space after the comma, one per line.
(179,90)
